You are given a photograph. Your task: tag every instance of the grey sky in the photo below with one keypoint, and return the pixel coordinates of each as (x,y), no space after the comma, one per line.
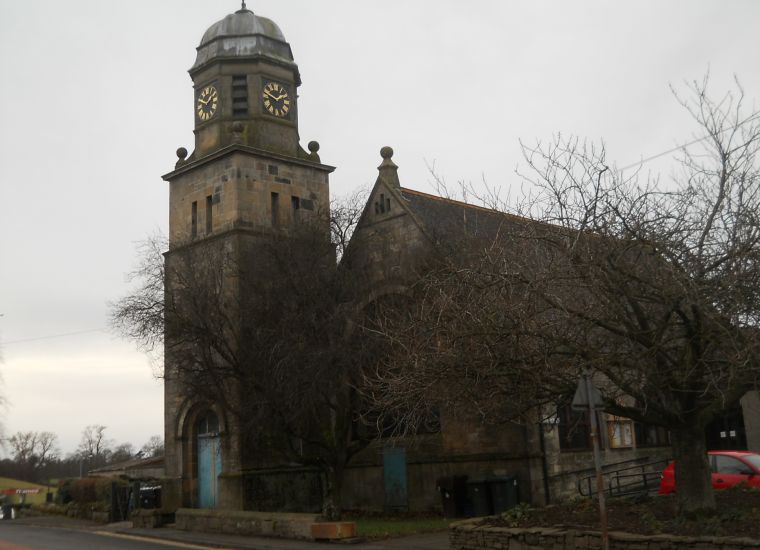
(96,99)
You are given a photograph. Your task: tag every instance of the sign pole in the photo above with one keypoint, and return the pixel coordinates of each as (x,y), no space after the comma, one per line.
(587,398)
(597,465)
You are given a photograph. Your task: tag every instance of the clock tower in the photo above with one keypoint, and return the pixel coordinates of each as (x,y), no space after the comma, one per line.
(245,84)
(247,184)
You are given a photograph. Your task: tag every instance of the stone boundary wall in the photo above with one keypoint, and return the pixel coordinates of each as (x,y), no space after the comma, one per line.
(270,524)
(150,518)
(468,535)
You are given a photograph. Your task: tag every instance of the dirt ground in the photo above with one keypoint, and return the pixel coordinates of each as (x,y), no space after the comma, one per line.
(738,515)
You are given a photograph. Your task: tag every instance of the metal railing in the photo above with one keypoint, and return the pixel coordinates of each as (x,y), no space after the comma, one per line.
(642,478)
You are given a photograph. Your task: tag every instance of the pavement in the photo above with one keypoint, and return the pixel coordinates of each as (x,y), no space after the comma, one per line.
(432,541)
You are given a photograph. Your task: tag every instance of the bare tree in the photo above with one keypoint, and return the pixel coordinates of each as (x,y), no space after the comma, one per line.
(33,452)
(344,216)
(139,315)
(47,450)
(23,446)
(654,289)
(94,445)
(122,452)
(266,336)
(154,447)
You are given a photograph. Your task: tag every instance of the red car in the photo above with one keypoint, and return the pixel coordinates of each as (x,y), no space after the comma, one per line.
(729,468)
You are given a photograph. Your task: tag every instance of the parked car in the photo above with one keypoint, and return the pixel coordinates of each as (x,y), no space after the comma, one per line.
(729,468)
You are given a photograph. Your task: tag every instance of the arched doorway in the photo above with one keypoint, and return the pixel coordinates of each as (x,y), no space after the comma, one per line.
(209,460)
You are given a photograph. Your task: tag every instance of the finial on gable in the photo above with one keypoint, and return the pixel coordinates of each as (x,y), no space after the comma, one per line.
(388,169)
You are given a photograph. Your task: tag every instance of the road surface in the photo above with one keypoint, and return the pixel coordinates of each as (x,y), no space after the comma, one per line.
(16,536)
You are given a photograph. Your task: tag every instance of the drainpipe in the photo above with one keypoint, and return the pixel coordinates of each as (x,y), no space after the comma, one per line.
(544,465)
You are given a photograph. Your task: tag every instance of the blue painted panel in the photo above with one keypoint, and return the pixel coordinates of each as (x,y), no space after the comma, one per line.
(394,477)
(209,468)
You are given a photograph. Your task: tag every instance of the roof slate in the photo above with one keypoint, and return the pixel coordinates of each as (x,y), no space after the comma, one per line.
(442,217)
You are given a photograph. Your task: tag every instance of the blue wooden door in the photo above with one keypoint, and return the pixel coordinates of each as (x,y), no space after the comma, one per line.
(209,468)
(394,477)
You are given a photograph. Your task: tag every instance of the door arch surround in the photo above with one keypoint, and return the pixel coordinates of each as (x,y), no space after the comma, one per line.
(197,435)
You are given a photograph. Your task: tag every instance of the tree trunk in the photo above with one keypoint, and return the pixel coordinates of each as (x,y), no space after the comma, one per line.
(694,490)
(332,507)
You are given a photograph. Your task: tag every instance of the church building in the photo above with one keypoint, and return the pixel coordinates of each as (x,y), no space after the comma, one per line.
(247,181)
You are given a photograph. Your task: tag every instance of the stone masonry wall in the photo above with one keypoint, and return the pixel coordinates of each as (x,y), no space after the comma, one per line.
(292,526)
(240,186)
(467,535)
(751,409)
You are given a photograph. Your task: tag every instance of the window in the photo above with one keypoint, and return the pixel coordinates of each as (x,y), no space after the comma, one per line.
(208,424)
(619,432)
(239,95)
(650,436)
(574,429)
(194,220)
(295,204)
(382,205)
(273,169)
(209,219)
(729,465)
(275,209)
(431,423)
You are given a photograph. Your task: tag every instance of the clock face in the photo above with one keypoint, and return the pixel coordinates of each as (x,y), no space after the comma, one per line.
(208,100)
(276,99)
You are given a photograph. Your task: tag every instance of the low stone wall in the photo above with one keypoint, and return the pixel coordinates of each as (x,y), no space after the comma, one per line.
(270,524)
(150,519)
(468,535)
(101,517)
(290,490)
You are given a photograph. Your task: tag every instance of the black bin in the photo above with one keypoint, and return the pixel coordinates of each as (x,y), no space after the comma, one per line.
(478,498)
(150,497)
(505,493)
(453,495)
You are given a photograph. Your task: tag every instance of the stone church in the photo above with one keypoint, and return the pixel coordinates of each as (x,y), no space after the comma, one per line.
(247,180)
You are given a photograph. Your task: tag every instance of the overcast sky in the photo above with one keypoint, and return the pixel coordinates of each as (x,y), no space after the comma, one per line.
(96,98)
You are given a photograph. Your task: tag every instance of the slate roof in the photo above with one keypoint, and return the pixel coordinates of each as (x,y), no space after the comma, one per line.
(443,217)
(133,464)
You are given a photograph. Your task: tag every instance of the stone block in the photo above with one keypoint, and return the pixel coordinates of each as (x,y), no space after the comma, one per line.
(333,530)
(150,519)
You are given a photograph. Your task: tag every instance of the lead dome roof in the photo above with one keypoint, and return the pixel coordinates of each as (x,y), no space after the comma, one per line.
(243,35)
